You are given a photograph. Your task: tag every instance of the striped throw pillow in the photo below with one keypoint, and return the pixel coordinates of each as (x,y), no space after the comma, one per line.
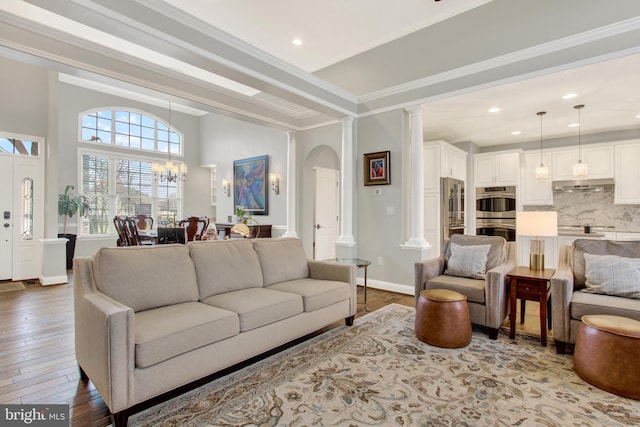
(612,275)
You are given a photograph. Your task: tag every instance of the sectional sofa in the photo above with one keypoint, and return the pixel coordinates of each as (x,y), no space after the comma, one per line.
(151,319)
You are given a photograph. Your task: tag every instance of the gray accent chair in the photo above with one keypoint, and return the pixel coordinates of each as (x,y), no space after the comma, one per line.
(488,297)
(570,302)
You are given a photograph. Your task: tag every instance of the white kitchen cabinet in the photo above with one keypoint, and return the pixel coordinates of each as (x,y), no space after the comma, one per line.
(627,174)
(453,162)
(599,159)
(497,169)
(532,192)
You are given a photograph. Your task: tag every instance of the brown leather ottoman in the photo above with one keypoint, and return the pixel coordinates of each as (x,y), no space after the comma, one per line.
(442,318)
(606,354)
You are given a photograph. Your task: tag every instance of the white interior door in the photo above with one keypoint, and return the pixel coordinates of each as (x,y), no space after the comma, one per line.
(327,213)
(6,217)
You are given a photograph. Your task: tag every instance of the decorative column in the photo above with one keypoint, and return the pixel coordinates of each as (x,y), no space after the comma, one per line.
(346,184)
(416,232)
(291,185)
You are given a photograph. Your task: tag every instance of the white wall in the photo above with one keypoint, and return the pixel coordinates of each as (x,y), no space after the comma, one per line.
(225,139)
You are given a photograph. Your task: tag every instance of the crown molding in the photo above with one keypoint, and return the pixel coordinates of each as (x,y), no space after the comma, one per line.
(508,59)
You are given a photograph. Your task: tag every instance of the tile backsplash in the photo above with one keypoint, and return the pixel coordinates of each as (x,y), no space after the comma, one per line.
(595,208)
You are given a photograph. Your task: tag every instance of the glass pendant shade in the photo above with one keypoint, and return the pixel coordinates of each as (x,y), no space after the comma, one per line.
(580,170)
(542,173)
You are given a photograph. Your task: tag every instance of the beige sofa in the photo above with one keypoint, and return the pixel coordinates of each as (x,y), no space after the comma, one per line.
(570,300)
(485,286)
(151,319)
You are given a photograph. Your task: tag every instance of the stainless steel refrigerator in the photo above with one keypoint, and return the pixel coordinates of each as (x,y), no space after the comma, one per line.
(452,215)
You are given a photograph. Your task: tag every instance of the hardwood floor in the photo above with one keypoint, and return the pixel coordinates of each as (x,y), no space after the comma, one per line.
(37,363)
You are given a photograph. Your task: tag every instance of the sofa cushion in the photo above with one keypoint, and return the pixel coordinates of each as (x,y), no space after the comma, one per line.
(612,275)
(497,253)
(225,265)
(146,277)
(630,249)
(468,261)
(583,303)
(282,259)
(166,332)
(258,306)
(472,288)
(315,293)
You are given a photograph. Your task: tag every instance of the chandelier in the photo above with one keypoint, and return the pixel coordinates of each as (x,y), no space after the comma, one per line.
(170,172)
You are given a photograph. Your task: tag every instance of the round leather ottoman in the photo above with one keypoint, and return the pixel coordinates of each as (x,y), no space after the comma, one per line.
(442,318)
(606,354)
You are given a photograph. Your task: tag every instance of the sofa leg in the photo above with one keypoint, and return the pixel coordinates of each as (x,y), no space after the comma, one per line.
(561,347)
(493,333)
(83,375)
(120,419)
(349,320)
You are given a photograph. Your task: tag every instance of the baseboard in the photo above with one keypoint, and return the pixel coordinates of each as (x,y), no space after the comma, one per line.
(387,286)
(53,280)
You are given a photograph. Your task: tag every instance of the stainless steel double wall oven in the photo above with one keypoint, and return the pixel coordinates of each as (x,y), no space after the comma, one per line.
(496,211)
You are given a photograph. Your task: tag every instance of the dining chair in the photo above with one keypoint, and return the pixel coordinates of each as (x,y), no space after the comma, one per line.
(194,227)
(134,236)
(120,223)
(144,222)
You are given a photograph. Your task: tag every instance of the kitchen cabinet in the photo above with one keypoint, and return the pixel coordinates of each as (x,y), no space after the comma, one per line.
(599,159)
(627,174)
(442,160)
(497,169)
(532,192)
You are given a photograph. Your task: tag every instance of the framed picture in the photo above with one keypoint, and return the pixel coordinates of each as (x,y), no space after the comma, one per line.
(250,184)
(376,168)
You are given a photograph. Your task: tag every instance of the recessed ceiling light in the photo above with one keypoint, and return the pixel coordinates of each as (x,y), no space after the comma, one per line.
(297,42)
(570,95)
(494,109)
(638,116)
(516,132)
(574,125)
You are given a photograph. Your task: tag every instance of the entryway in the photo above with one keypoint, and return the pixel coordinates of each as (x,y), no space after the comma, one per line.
(326,213)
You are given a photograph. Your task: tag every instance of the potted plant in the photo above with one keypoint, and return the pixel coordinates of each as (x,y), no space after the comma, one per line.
(70,204)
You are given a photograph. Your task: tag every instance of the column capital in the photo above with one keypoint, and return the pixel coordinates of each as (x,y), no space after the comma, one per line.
(346,121)
(291,134)
(414,109)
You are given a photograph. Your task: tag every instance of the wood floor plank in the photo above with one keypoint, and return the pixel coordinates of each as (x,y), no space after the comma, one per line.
(37,358)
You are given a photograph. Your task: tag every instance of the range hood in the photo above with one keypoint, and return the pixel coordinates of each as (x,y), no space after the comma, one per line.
(583,185)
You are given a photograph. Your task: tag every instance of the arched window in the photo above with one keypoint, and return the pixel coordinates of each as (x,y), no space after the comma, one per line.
(121,182)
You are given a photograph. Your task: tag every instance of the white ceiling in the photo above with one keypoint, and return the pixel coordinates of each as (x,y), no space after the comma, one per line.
(333,30)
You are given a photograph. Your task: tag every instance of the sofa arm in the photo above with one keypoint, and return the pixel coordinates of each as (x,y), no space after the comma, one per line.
(561,295)
(426,270)
(330,270)
(104,339)
(496,294)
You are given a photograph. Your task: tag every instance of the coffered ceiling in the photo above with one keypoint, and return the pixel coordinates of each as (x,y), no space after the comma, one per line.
(456,57)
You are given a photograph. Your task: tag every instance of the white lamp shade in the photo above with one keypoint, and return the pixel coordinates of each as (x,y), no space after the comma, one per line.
(537,223)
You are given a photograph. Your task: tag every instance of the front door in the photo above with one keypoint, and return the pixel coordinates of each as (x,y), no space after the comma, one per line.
(6,216)
(327,208)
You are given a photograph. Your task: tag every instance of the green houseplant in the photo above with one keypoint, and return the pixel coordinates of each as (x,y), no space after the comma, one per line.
(70,204)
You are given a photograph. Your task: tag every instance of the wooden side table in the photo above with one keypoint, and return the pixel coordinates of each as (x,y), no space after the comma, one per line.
(530,285)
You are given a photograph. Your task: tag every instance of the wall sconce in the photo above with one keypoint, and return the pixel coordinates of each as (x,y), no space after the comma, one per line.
(275,184)
(226,187)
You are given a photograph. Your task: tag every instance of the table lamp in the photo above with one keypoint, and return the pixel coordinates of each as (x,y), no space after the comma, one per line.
(537,224)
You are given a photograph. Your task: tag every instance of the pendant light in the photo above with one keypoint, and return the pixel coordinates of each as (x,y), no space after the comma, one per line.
(542,171)
(580,170)
(170,172)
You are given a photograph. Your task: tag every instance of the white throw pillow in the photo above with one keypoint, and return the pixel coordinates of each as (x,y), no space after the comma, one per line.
(612,275)
(468,261)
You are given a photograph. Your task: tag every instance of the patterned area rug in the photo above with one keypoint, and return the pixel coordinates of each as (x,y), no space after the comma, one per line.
(377,373)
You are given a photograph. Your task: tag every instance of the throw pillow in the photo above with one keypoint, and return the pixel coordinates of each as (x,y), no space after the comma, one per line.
(612,275)
(468,261)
